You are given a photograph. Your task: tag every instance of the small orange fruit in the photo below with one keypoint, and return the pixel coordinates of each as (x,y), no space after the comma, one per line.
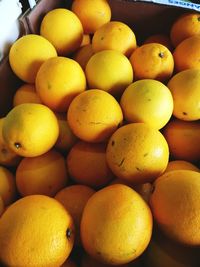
(160,38)
(30,129)
(8,190)
(185,26)
(63,29)
(27,55)
(148,101)
(66,138)
(109,70)
(186,54)
(92,14)
(181,165)
(26,94)
(116,225)
(44,228)
(83,54)
(58,81)
(94,115)
(137,153)
(74,199)
(45,174)
(152,61)
(184,87)
(7,156)
(114,35)
(175,204)
(183,138)
(86,163)
(86,40)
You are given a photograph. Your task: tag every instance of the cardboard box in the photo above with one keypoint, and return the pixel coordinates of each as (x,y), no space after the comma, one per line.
(145,17)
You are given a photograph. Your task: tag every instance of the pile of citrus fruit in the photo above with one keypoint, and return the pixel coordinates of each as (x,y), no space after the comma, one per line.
(100,153)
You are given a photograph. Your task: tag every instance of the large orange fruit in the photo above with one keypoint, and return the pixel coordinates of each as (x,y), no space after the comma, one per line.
(137,153)
(27,55)
(35,231)
(58,81)
(116,225)
(181,165)
(175,204)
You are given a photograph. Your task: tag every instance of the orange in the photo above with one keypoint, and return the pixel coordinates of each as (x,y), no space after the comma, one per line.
(7,156)
(175,204)
(44,228)
(30,129)
(83,54)
(27,55)
(186,54)
(94,115)
(8,190)
(45,174)
(184,87)
(66,138)
(185,26)
(163,252)
(109,70)
(74,199)
(1,206)
(114,35)
(92,14)
(58,81)
(137,153)
(86,40)
(160,38)
(63,29)
(152,61)
(181,165)
(148,101)
(116,225)
(183,138)
(86,163)
(26,94)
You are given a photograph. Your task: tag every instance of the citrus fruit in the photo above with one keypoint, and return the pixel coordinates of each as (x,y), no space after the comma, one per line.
(74,199)
(26,94)
(184,87)
(114,35)
(30,129)
(63,29)
(148,101)
(86,164)
(116,225)
(160,38)
(181,165)
(159,62)
(83,54)
(58,81)
(86,39)
(44,228)
(45,174)
(183,138)
(1,206)
(27,55)
(137,153)
(66,138)
(94,115)
(92,14)
(8,190)
(109,70)
(185,26)
(186,54)
(7,156)
(175,203)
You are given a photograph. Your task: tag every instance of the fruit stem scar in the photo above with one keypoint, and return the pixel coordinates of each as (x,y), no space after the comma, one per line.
(17,145)
(69,233)
(161,54)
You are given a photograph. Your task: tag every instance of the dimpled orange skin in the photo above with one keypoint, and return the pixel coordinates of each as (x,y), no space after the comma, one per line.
(44,228)
(137,153)
(175,204)
(116,225)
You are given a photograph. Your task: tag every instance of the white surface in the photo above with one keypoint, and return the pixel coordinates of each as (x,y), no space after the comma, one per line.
(10,10)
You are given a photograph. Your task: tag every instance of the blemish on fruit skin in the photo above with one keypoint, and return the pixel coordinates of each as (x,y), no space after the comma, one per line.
(122,161)
(184,113)
(145,154)
(4,151)
(49,85)
(138,169)
(113,143)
